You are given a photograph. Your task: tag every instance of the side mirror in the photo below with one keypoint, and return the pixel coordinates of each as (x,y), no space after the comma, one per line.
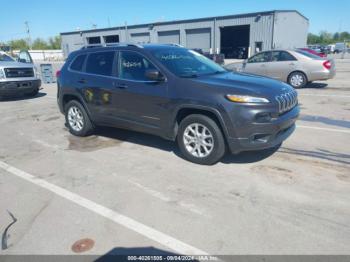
(154,75)
(21,60)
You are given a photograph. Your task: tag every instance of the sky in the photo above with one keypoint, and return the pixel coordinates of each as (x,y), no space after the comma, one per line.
(49,18)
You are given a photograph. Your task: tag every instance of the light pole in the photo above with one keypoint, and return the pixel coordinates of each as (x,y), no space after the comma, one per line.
(28,34)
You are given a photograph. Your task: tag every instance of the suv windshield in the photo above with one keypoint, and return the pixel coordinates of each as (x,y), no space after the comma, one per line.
(5,58)
(187,63)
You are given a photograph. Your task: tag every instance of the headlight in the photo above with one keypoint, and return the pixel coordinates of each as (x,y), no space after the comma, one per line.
(247,99)
(2,74)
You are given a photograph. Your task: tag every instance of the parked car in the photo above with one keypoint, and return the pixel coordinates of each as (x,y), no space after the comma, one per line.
(330,49)
(295,67)
(17,77)
(177,94)
(340,47)
(217,58)
(312,51)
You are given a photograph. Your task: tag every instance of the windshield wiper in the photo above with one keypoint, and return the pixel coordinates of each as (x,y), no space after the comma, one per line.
(220,72)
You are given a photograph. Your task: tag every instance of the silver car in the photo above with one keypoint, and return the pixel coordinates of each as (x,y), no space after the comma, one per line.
(295,67)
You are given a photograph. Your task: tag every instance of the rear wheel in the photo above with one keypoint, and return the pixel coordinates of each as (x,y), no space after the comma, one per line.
(77,119)
(201,140)
(297,80)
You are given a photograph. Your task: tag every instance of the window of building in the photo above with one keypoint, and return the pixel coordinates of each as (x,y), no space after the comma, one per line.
(109,39)
(100,63)
(78,63)
(94,40)
(133,66)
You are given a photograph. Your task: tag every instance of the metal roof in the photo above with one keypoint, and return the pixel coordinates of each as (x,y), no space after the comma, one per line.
(184,21)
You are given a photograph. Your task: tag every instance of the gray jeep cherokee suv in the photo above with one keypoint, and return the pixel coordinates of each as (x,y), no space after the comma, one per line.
(177,94)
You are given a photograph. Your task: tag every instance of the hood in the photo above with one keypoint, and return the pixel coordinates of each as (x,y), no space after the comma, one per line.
(245,83)
(14,64)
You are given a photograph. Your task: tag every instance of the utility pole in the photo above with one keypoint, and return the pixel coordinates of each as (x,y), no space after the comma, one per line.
(126,32)
(29,39)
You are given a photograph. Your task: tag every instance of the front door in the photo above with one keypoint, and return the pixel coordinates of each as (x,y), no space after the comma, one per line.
(257,64)
(139,101)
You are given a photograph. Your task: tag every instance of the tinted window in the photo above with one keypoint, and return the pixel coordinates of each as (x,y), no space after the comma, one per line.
(133,66)
(280,56)
(260,58)
(78,63)
(100,63)
(187,63)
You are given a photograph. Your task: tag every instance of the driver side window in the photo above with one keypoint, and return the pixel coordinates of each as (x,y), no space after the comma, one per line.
(260,58)
(134,66)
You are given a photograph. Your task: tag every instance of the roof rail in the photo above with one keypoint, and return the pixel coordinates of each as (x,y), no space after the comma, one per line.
(125,44)
(174,44)
(112,45)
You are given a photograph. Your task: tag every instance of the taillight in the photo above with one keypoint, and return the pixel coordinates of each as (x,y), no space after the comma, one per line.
(58,73)
(327,65)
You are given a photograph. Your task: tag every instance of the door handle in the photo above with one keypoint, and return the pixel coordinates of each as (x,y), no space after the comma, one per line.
(82,81)
(291,64)
(121,86)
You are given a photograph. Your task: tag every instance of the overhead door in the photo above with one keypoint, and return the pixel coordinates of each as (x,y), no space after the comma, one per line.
(169,37)
(199,38)
(140,38)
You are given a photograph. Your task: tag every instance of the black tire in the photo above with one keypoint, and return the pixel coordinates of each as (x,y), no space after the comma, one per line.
(33,93)
(297,74)
(219,146)
(87,126)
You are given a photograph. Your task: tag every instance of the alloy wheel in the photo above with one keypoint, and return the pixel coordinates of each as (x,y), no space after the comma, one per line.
(198,140)
(75,118)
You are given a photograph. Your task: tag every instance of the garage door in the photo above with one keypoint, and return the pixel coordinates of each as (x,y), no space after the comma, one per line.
(169,37)
(140,38)
(199,38)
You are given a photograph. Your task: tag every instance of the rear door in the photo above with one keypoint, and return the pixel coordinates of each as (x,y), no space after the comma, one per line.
(257,64)
(281,65)
(97,84)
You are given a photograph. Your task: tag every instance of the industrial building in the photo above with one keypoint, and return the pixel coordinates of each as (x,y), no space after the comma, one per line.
(236,36)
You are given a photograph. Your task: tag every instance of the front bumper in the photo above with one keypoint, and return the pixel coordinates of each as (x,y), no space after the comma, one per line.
(260,136)
(12,88)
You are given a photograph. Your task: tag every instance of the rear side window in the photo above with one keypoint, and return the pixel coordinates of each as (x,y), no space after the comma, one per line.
(78,63)
(100,63)
(309,55)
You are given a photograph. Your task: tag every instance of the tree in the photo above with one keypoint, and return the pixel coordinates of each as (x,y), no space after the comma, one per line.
(40,44)
(18,44)
(55,42)
(313,39)
(344,36)
(326,37)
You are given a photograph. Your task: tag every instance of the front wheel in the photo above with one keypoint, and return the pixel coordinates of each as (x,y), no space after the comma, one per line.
(297,80)
(78,121)
(33,93)
(201,140)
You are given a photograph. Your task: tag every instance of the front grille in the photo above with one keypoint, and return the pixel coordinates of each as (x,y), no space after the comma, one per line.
(287,101)
(19,72)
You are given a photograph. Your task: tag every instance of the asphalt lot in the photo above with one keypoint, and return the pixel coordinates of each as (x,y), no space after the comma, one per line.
(130,191)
